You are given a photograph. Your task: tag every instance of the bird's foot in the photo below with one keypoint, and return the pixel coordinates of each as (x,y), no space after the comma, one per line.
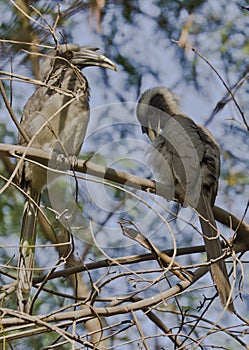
(73,161)
(63,160)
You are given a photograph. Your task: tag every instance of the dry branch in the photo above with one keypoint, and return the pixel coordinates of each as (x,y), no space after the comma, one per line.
(240,227)
(109,310)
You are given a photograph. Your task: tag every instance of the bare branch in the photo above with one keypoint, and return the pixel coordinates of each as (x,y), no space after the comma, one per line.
(133,181)
(220,77)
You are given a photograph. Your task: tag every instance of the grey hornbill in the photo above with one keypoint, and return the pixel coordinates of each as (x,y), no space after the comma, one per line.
(54,120)
(186,158)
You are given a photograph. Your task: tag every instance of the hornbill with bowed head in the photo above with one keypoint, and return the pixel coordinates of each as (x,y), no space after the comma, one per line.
(55,120)
(186,158)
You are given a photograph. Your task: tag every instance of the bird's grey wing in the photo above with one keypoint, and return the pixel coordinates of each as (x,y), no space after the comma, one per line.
(186,149)
(210,164)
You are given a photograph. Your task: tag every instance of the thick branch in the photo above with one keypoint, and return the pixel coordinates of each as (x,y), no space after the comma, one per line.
(120,177)
(111,310)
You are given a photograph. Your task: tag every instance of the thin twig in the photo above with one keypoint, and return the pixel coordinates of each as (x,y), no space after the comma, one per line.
(11,112)
(221,79)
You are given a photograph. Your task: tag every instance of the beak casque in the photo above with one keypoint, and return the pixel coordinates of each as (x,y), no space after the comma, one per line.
(87,57)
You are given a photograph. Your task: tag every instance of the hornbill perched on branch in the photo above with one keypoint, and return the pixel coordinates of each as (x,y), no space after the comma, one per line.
(186,158)
(55,120)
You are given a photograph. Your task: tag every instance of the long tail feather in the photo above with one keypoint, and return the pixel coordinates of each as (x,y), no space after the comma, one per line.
(214,251)
(26,251)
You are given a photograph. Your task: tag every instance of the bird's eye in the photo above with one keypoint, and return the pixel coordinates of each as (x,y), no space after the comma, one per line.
(69,55)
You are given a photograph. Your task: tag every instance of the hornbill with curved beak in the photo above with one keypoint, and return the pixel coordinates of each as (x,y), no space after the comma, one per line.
(186,158)
(54,120)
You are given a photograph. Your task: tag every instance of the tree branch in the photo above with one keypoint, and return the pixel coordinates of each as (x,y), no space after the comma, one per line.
(240,227)
(110,310)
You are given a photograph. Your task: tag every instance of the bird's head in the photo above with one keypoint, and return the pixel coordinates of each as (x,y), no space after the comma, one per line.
(79,56)
(154,108)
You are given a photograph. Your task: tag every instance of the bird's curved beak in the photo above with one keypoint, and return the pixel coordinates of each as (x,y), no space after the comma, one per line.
(87,57)
(150,130)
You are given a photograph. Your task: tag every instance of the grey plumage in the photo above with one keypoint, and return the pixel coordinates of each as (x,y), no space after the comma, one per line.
(55,120)
(186,157)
